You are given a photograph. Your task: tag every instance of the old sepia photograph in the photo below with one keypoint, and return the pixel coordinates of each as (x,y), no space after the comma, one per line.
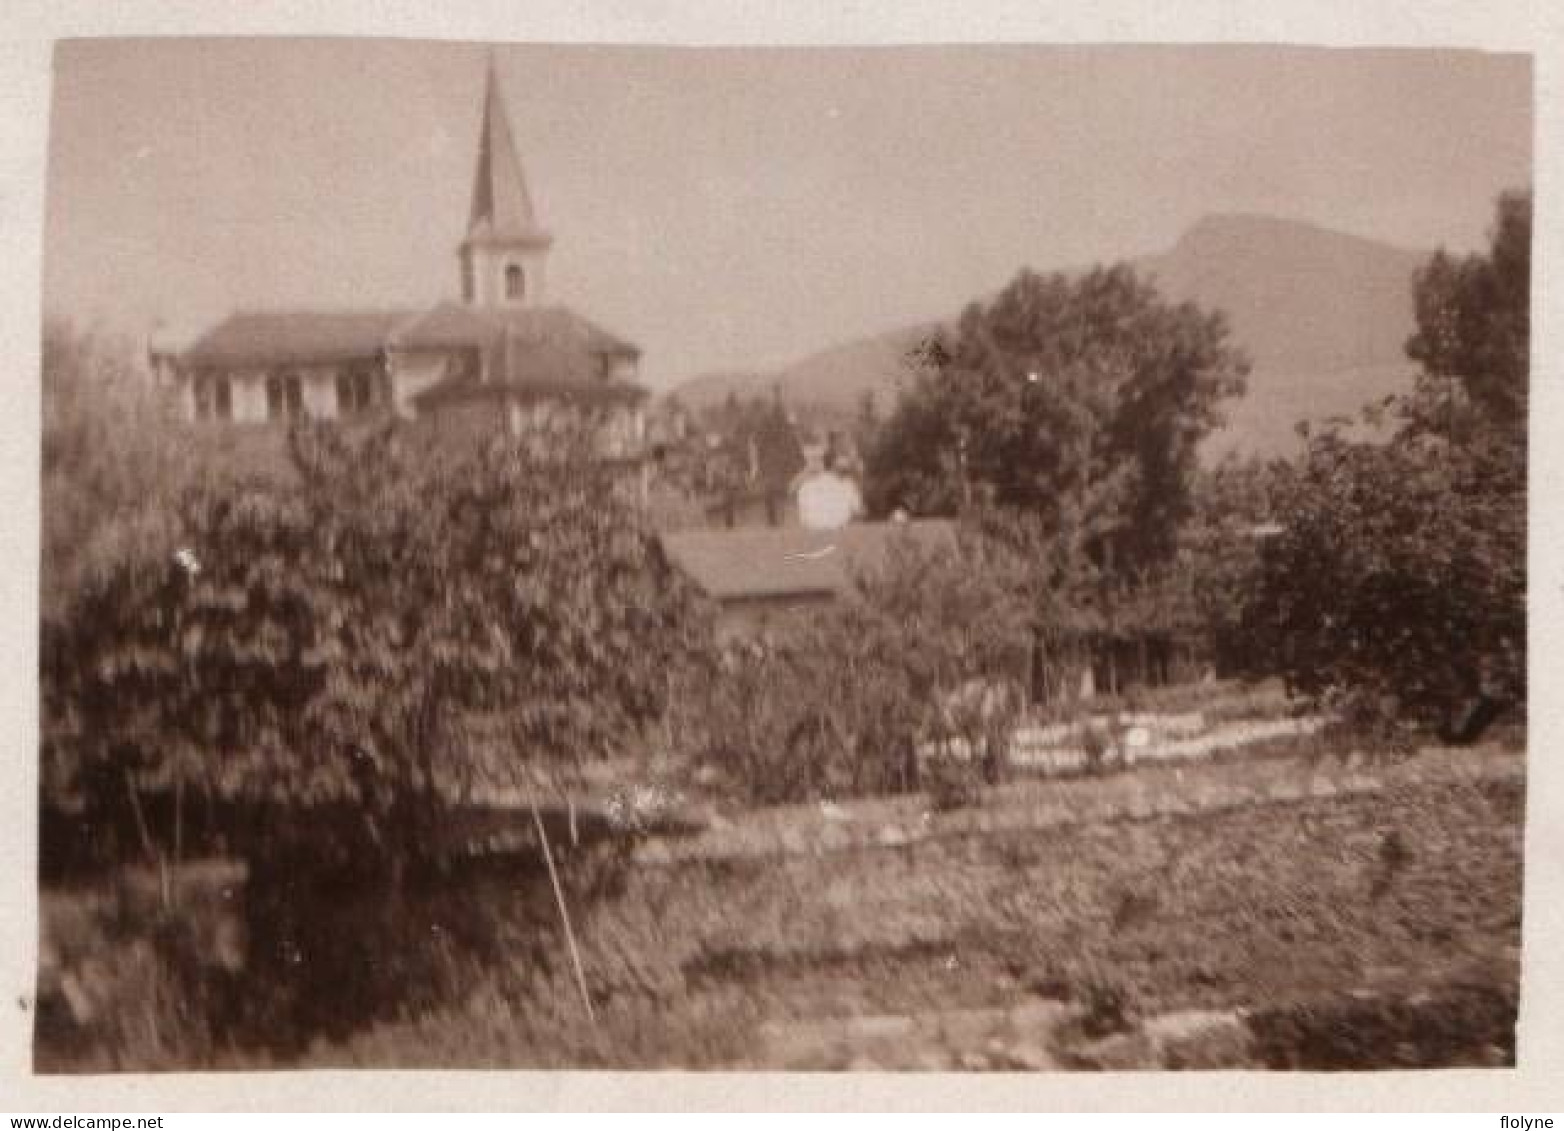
(987,558)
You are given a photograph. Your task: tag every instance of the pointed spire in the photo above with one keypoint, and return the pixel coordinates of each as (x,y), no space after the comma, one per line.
(501,206)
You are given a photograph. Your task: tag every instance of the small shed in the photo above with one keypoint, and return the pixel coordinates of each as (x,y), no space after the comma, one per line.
(760,576)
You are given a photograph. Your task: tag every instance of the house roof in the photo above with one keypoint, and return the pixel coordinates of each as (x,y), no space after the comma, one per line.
(283,337)
(501,205)
(759,562)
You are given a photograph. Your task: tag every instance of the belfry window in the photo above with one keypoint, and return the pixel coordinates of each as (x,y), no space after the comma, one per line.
(515,282)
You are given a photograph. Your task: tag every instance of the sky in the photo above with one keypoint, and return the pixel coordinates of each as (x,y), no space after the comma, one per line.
(735,208)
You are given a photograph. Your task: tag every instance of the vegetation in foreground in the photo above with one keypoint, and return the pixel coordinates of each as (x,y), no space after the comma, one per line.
(1389,892)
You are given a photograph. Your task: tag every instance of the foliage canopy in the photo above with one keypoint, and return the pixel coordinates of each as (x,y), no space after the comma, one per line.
(398,628)
(1400,573)
(1077,400)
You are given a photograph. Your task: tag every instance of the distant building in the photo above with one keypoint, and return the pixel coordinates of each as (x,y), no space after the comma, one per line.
(827,498)
(497,359)
(760,577)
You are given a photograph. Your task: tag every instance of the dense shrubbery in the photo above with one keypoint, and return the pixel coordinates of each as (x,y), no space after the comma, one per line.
(926,649)
(1078,401)
(111,466)
(1384,577)
(338,659)
(1397,584)
(1063,418)
(330,640)
(1399,576)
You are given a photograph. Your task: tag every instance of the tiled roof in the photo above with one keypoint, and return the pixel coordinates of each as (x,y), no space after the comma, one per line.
(732,565)
(283,337)
(549,349)
(561,324)
(452,325)
(533,354)
(449,325)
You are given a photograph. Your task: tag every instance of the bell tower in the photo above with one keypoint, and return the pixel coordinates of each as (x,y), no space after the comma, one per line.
(506,249)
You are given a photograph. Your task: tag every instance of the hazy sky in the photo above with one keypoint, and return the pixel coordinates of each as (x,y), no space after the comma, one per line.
(735,208)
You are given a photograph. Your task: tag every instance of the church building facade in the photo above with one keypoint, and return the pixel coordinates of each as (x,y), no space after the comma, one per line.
(499,357)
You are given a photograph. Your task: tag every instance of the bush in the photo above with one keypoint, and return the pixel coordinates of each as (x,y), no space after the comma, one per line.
(1448,1027)
(921,653)
(1397,582)
(313,656)
(814,712)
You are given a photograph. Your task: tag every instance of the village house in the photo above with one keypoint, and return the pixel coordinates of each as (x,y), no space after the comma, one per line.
(499,358)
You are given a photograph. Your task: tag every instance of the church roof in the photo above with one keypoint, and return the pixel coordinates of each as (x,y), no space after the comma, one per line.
(263,338)
(502,209)
(790,561)
(541,365)
(294,337)
(450,325)
(453,325)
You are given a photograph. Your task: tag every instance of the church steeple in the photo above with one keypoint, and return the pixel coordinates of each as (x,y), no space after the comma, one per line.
(503,256)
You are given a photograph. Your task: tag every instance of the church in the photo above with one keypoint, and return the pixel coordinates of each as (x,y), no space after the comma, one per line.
(499,358)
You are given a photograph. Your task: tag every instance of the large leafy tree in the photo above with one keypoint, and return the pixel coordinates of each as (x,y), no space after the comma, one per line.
(398,628)
(1078,400)
(1399,574)
(111,459)
(1473,332)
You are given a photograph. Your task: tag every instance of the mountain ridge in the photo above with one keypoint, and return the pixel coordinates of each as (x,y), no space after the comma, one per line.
(1323,315)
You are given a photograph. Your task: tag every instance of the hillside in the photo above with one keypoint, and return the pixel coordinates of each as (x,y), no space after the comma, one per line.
(1323,315)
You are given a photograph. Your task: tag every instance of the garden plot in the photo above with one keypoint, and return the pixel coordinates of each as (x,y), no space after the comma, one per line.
(1211,914)
(1144,736)
(1126,738)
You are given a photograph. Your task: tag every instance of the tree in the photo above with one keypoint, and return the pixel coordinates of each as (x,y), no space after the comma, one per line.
(1078,400)
(1399,578)
(111,462)
(400,627)
(1236,503)
(925,647)
(1066,413)
(1474,319)
(866,423)
(341,662)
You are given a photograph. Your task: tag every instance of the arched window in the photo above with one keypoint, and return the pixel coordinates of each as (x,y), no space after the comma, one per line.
(515,282)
